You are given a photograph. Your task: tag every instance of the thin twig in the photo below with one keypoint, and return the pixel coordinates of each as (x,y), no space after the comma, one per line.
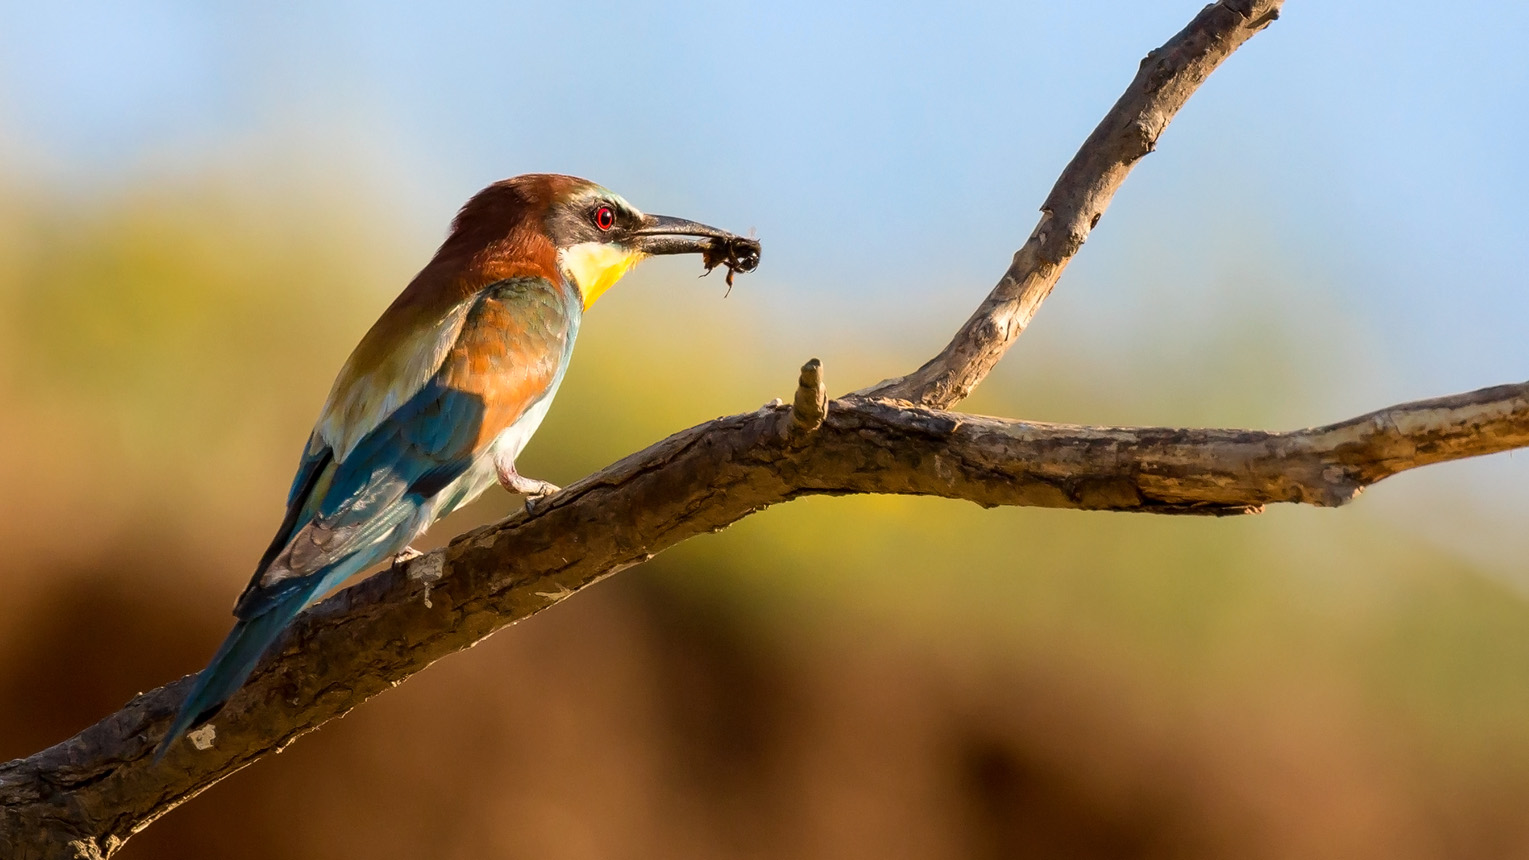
(1167,78)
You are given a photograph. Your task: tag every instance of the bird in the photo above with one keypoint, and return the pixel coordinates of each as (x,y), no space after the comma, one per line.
(438,399)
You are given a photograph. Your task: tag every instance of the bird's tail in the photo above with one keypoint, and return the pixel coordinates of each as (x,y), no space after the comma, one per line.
(235,659)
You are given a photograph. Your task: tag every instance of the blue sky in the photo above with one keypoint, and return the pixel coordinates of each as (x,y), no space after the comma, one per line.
(1382,148)
(1355,171)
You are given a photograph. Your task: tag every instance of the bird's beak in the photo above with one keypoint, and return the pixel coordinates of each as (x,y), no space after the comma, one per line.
(660,234)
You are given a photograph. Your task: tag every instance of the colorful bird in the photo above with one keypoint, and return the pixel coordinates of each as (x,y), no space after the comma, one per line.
(443,392)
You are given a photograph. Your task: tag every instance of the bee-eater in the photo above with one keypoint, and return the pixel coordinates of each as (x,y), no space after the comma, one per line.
(442,393)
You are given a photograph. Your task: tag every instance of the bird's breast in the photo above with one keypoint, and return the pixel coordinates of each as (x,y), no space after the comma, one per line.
(513,351)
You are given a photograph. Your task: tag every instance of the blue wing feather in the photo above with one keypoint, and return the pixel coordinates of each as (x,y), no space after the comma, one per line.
(367,503)
(317,458)
(380,487)
(345,514)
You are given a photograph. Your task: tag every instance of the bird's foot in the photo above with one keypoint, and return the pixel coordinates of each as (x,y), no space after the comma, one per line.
(534,503)
(535,491)
(405,555)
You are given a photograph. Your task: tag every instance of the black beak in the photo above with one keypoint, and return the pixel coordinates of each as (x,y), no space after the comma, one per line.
(660,234)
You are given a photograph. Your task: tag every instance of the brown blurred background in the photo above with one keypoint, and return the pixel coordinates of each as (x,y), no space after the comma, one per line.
(837,678)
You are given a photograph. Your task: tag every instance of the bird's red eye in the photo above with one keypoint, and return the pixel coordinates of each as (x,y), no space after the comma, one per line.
(605,218)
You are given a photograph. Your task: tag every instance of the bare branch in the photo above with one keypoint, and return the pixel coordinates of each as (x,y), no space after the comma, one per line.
(101,786)
(997,461)
(1167,78)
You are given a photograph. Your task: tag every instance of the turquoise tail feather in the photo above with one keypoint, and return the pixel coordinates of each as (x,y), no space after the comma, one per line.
(235,660)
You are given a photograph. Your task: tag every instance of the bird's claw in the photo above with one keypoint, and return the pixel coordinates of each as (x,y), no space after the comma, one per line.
(535,491)
(405,555)
(534,501)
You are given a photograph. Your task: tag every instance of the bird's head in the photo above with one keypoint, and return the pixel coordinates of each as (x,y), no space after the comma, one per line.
(589,235)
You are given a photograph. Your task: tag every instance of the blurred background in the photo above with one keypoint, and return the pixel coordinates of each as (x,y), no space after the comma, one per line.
(203,206)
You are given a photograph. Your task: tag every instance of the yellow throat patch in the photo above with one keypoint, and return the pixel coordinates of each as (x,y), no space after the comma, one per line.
(596,266)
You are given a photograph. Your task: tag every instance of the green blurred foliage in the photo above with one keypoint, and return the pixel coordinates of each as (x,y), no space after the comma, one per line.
(1305,681)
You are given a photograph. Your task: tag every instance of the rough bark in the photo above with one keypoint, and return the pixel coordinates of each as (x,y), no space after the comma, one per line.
(97,788)
(84,797)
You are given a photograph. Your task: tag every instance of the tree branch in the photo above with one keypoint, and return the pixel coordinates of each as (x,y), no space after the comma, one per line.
(1167,78)
(84,797)
(100,786)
